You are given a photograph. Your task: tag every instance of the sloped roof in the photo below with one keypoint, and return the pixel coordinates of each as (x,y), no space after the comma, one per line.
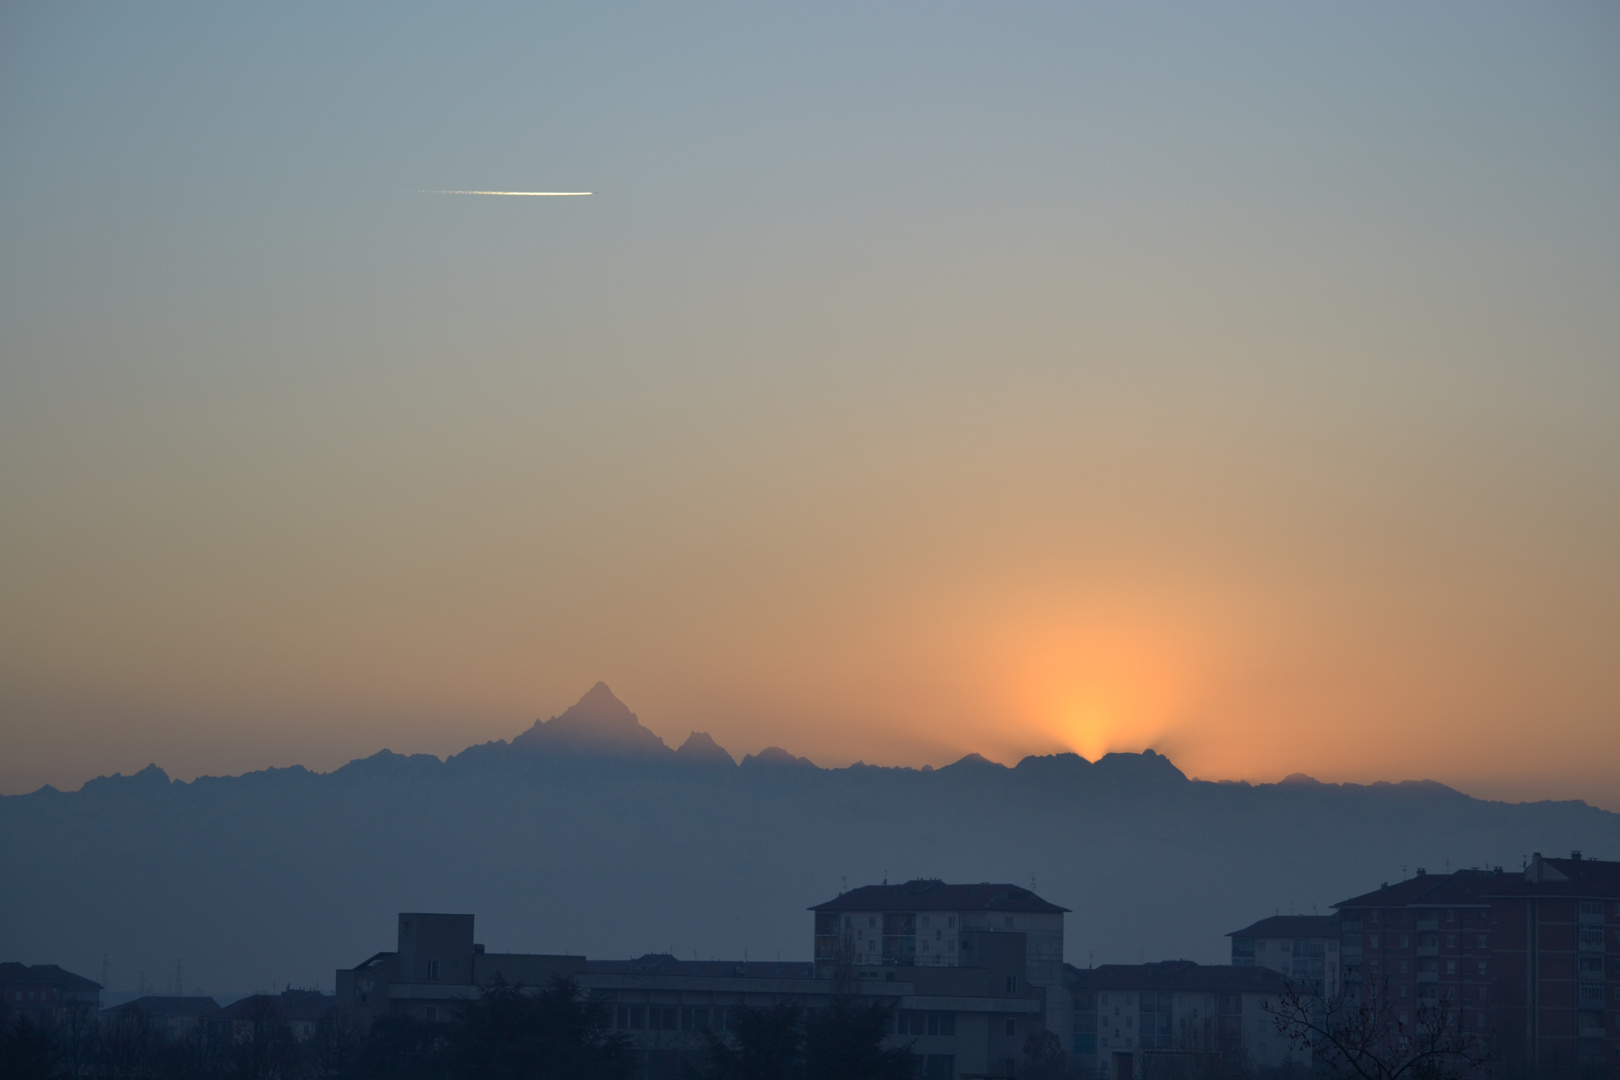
(291,1004)
(156,1005)
(1175,975)
(928,894)
(1573,877)
(1291,926)
(13,973)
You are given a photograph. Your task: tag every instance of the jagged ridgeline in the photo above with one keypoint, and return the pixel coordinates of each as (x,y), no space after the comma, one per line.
(587,833)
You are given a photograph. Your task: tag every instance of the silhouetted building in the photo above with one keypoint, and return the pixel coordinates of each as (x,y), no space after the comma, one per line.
(1303,947)
(928,923)
(44,992)
(300,1010)
(173,1017)
(1174,1018)
(1530,962)
(967,1019)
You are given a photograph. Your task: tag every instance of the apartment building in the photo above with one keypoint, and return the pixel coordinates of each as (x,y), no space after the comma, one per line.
(966,1019)
(1528,962)
(1174,1018)
(928,923)
(1303,947)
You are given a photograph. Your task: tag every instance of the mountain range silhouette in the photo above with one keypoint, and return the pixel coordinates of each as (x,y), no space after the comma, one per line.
(587,833)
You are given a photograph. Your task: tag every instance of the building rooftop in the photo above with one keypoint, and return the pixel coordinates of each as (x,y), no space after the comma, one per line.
(930,894)
(1175,975)
(13,973)
(157,1005)
(1291,926)
(291,1004)
(665,964)
(1571,877)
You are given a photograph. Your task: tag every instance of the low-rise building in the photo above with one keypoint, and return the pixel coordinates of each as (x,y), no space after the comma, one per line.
(929,923)
(1175,1018)
(967,1019)
(44,992)
(300,1010)
(170,1016)
(1303,947)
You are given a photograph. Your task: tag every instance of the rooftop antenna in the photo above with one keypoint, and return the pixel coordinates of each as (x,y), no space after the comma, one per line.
(843,885)
(885,875)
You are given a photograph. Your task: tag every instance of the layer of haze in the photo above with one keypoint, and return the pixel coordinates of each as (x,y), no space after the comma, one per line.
(1242,381)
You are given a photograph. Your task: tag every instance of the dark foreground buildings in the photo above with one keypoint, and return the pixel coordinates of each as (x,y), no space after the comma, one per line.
(1530,961)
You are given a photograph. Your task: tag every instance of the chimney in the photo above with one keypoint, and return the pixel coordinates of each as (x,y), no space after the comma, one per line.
(1575,856)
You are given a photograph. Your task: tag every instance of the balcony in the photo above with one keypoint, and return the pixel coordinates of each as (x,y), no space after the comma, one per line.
(1428,950)
(1428,924)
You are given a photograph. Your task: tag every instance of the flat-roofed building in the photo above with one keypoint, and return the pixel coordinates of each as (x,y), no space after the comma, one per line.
(967,1019)
(1303,947)
(1175,1018)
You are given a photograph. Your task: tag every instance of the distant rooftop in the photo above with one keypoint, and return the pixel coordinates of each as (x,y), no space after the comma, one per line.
(1174,975)
(666,964)
(158,1005)
(1291,926)
(931,894)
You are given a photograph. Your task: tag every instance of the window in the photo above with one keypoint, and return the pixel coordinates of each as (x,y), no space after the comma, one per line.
(1451,941)
(1403,967)
(433,970)
(927,1023)
(1482,993)
(1479,941)
(1591,938)
(694,1019)
(630,1017)
(1592,907)
(925,921)
(1451,967)
(1481,970)
(405,926)
(1012,985)
(950,922)
(1592,963)
(1372,941)
(1405,941)
(1012,1026)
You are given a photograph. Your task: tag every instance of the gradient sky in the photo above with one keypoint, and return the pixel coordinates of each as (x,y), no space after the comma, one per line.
(1237,380)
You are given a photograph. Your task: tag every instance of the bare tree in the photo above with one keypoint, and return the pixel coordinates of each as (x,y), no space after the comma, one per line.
(1374,1037)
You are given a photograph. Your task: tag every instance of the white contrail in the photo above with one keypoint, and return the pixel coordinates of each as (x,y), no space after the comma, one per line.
(509,193)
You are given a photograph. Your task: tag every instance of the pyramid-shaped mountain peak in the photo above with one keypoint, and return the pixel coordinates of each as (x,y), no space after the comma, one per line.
(596,723)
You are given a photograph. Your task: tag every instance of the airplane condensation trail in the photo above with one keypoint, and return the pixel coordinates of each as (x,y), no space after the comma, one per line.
(558,193)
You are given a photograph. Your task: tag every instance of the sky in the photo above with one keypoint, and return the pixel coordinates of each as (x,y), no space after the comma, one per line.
(1240,381)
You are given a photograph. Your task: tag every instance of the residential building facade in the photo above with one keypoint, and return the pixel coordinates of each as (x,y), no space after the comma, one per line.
(966,1019)
(929,923)
(1174,1018)
(1528,963)
(1303,947)
(44,993)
